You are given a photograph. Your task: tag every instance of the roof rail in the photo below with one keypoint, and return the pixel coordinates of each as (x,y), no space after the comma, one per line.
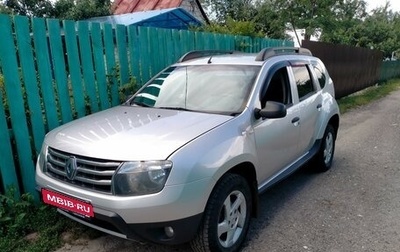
(274,51)
(201,53)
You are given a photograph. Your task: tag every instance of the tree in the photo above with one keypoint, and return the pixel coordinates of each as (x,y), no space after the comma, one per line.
(353,26)
(269,22)
(396,25)
(4,9)
(82,9)
(379,31)
(341,28)
(63,9)
(249,17)
(30,8)
(240,10)
(243,28)
(307,14)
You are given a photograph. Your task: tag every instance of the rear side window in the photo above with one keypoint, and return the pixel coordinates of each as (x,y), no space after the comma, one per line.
(319,72)
(304,83)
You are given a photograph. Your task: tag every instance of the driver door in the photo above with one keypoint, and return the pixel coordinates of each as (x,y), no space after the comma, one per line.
(277,139)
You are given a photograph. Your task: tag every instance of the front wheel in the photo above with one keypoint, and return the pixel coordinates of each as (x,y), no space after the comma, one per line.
(226,217)
(324,157)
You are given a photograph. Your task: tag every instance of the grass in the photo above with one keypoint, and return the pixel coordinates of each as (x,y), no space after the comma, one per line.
(26,226)
(368,95)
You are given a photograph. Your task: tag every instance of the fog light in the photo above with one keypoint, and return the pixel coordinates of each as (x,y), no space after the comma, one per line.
(169,232)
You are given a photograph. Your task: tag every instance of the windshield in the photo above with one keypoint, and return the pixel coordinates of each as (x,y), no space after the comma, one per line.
(204,88)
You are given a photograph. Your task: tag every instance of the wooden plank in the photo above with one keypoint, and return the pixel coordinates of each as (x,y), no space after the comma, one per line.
(185,41)
(206,41)
(108,37)
(24,43)
(198,42)
(162,49)
(8,174)
(237,43)
(87,65)
(99,64)
(263,43)
(219,41)
(45,73)
(229,42)
(171,57)
(134,56)
(144,52)
(191,40)
(256,45)
(155,64)
(248,44)
(16,105)
(224,42)
(74,67)
(122,54)
(57,54)
(176,38)
(211,41)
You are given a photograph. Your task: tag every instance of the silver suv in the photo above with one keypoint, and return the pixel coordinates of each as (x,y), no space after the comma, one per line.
(185,158)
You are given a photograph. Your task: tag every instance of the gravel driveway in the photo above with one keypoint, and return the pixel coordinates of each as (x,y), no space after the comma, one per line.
(353,207)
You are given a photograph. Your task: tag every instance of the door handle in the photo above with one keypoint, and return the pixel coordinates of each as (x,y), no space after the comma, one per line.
(296,121)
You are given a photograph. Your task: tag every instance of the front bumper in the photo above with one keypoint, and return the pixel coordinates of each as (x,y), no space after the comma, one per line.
(177,207)
(113,224)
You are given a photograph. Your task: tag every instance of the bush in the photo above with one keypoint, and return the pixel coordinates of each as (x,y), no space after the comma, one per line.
(13,212)
(20,217)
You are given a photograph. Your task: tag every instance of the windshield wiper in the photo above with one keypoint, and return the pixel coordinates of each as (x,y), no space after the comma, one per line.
(176,108)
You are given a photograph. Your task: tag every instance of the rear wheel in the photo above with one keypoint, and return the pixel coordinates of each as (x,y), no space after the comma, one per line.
(324,157)
(227,216)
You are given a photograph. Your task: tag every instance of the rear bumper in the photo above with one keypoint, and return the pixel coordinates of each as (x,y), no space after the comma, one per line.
(111,223)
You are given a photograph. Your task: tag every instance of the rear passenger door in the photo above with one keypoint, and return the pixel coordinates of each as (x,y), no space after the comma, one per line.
(310,105)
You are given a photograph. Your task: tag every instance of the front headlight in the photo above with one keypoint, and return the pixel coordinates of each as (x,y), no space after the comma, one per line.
(141,177)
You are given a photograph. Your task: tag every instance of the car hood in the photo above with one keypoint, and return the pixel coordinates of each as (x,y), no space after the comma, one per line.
(132,133)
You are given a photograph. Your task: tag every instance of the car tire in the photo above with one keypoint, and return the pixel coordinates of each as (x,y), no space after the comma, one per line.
(226,217)
(324,157)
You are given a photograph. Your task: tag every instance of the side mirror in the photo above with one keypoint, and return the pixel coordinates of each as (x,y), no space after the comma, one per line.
(272,110)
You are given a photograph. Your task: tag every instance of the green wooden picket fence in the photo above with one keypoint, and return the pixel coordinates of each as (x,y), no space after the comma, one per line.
(54,71)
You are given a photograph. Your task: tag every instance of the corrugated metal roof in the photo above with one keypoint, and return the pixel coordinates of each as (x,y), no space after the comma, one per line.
(173,18)
(129,6)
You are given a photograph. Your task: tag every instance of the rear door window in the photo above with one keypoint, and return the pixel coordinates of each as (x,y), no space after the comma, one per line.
(320,74)
(304,83)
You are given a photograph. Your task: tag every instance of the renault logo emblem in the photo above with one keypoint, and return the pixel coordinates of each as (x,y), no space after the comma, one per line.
(71,168)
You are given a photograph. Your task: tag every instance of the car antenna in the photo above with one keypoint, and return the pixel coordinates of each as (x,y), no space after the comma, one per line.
(209,60)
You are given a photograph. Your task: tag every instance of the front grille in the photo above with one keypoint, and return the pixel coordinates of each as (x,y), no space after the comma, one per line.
(91,173)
